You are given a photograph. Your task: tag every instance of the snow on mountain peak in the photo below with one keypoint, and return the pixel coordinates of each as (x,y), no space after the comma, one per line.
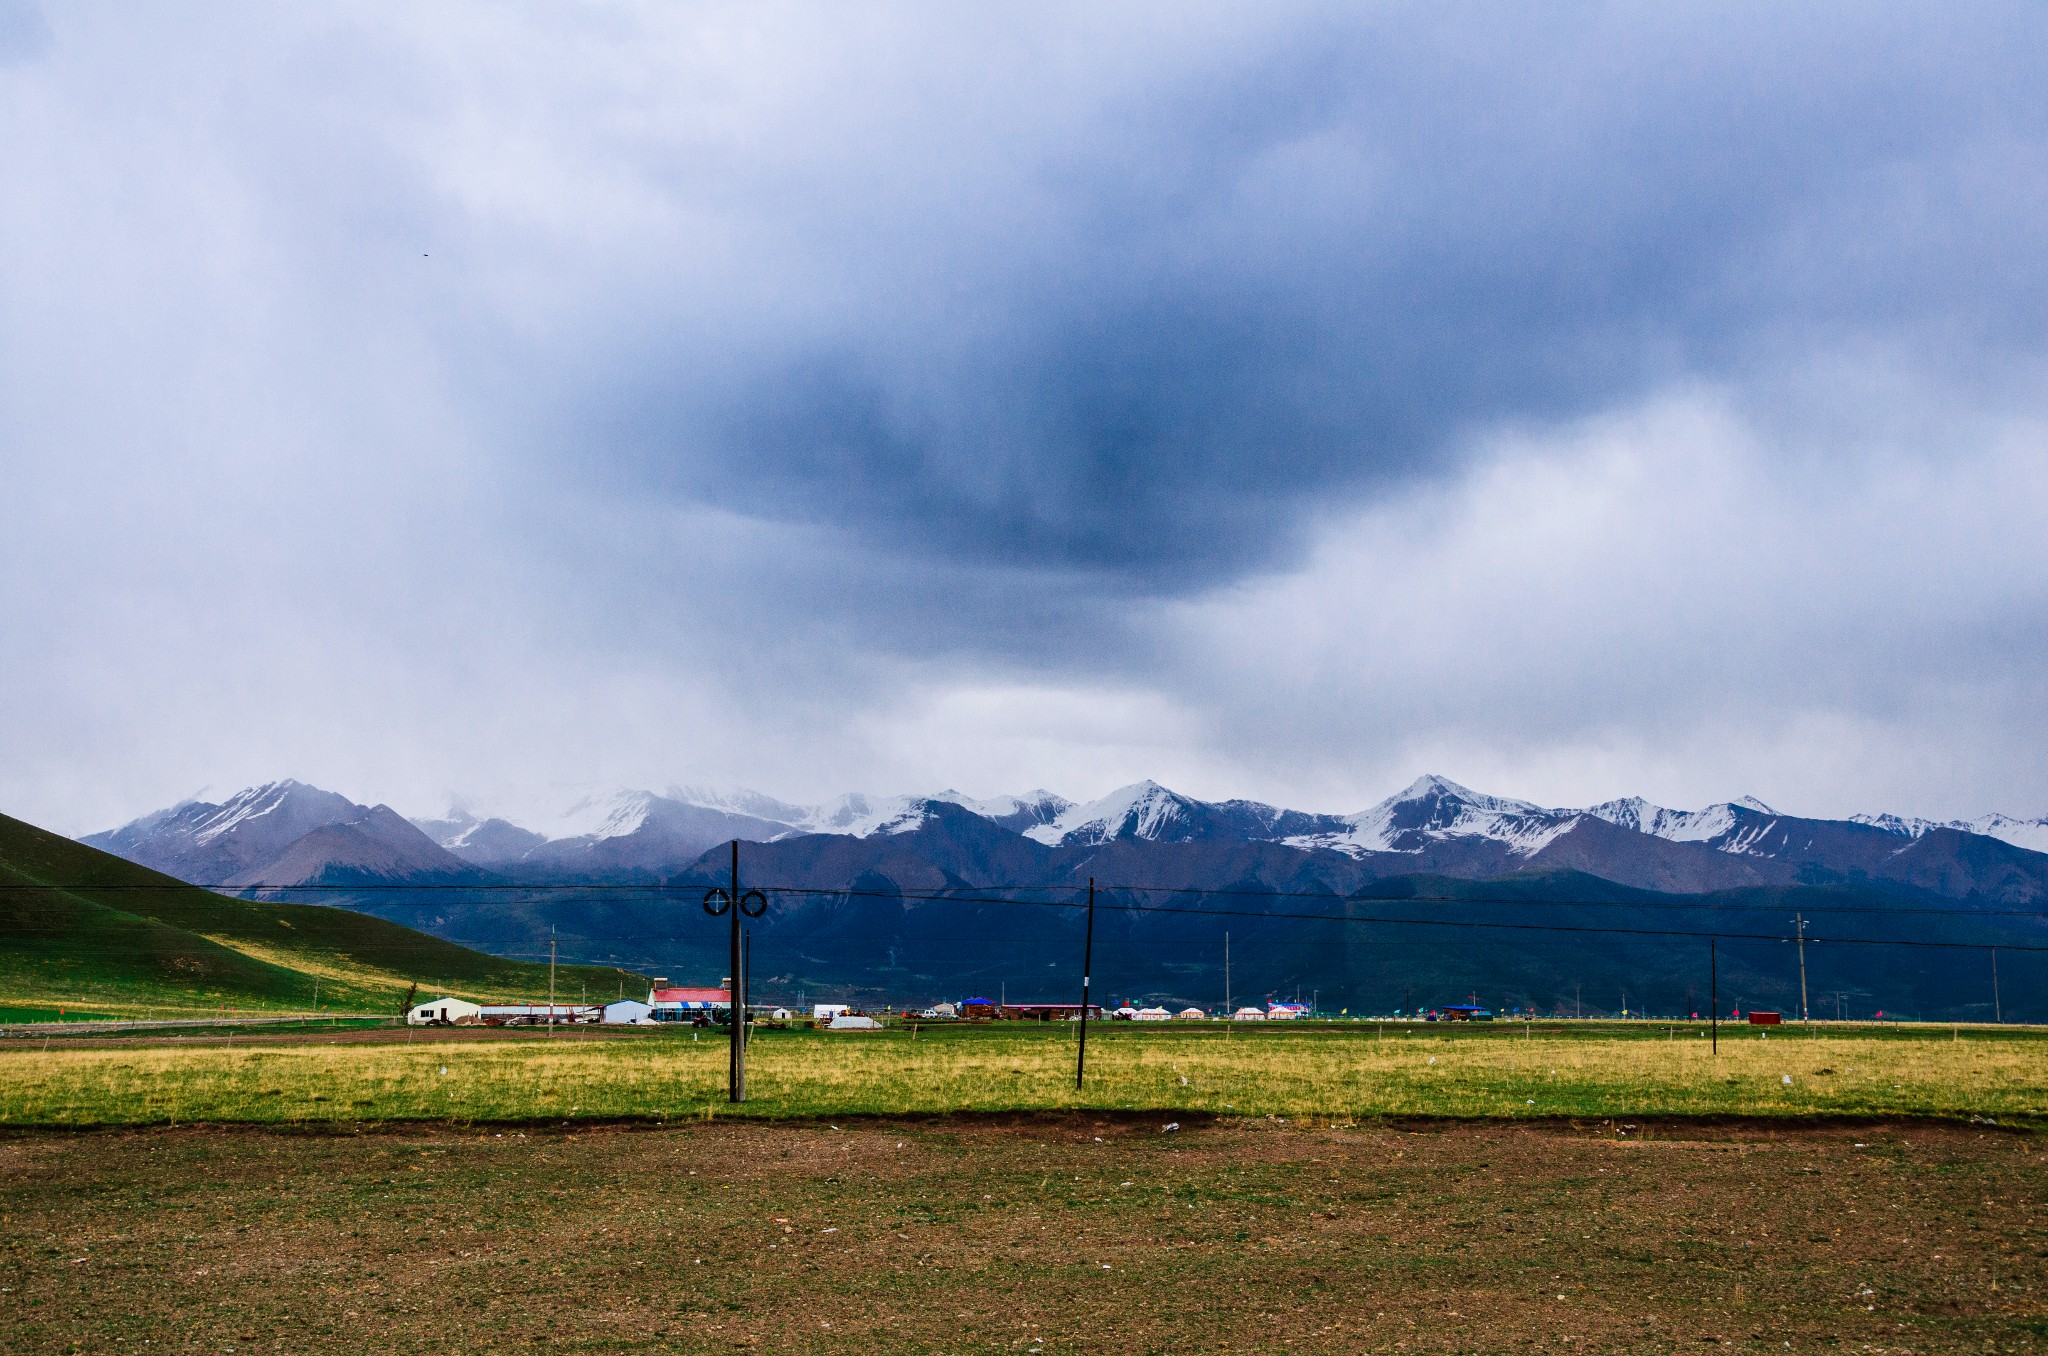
(736,800)
(1141,810)
(1678,826)
(862,816)
(2031,834)
(293,806)
(1431,787)
(600,815)
(1432,808)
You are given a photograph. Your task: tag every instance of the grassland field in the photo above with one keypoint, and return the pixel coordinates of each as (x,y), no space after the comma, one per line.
(1333,1074)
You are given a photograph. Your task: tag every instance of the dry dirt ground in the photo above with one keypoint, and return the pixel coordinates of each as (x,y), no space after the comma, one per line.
(1056,1234)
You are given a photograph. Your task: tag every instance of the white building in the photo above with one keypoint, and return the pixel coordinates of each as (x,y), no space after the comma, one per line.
(540,1014)
(846,1021)
(445,1012)
(1152,1015)
(1248,1015)
(825,1012)
(629,1012)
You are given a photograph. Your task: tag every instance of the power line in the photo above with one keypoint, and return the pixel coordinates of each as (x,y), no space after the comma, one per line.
(1569,928)
(969,896)
(968,892)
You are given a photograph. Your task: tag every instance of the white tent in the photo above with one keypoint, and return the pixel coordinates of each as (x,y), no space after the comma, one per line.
(444,1012)
(1126,1013)
(1152,1015)
(847,1021)
(1193,1015)
(1248,1015)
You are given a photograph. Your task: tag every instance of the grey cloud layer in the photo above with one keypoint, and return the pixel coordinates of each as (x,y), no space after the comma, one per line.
(1312,265)
(819,397)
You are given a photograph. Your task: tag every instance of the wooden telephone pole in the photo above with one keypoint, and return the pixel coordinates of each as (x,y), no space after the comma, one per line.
(1799,921)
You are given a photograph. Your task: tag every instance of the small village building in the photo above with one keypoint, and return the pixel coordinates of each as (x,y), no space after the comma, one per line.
(682,1004)
(629,1012)
(1248,1015)
(1466,1012)
(1126,1013)
(445,1012)
(1192,1015)
(1050,1012)
(1152,1015)
(1285,1012)
(541,1014)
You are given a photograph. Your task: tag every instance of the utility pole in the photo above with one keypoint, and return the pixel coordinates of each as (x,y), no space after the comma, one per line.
(1227,1009)
(551,979)
(1714,990)
(731,904)
(1997,1012)
(1799,920)
(1087,964)
(736,1057)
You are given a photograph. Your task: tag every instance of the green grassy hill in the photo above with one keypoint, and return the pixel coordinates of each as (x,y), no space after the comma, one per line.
(83,928)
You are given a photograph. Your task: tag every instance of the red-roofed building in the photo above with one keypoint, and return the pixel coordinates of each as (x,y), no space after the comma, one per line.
(689,1005)
(715,997)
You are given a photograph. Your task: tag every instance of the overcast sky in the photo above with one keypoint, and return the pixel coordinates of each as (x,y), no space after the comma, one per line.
(1276,400)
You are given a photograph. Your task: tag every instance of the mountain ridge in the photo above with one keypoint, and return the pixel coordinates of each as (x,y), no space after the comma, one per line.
(288,833)
(875,898)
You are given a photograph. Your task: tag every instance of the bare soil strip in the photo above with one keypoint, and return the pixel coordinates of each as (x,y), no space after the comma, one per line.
(1066,1232)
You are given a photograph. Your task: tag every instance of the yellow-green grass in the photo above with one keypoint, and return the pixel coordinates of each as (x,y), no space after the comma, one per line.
(1307,1074)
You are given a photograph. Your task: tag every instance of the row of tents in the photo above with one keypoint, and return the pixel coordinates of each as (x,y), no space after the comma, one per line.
(1272,1012)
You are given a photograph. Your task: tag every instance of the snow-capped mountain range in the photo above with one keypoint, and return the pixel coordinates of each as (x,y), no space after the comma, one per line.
(283,833)
(288,833)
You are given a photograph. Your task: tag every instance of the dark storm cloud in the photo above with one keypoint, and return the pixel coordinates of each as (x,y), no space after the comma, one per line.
(1309,268)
